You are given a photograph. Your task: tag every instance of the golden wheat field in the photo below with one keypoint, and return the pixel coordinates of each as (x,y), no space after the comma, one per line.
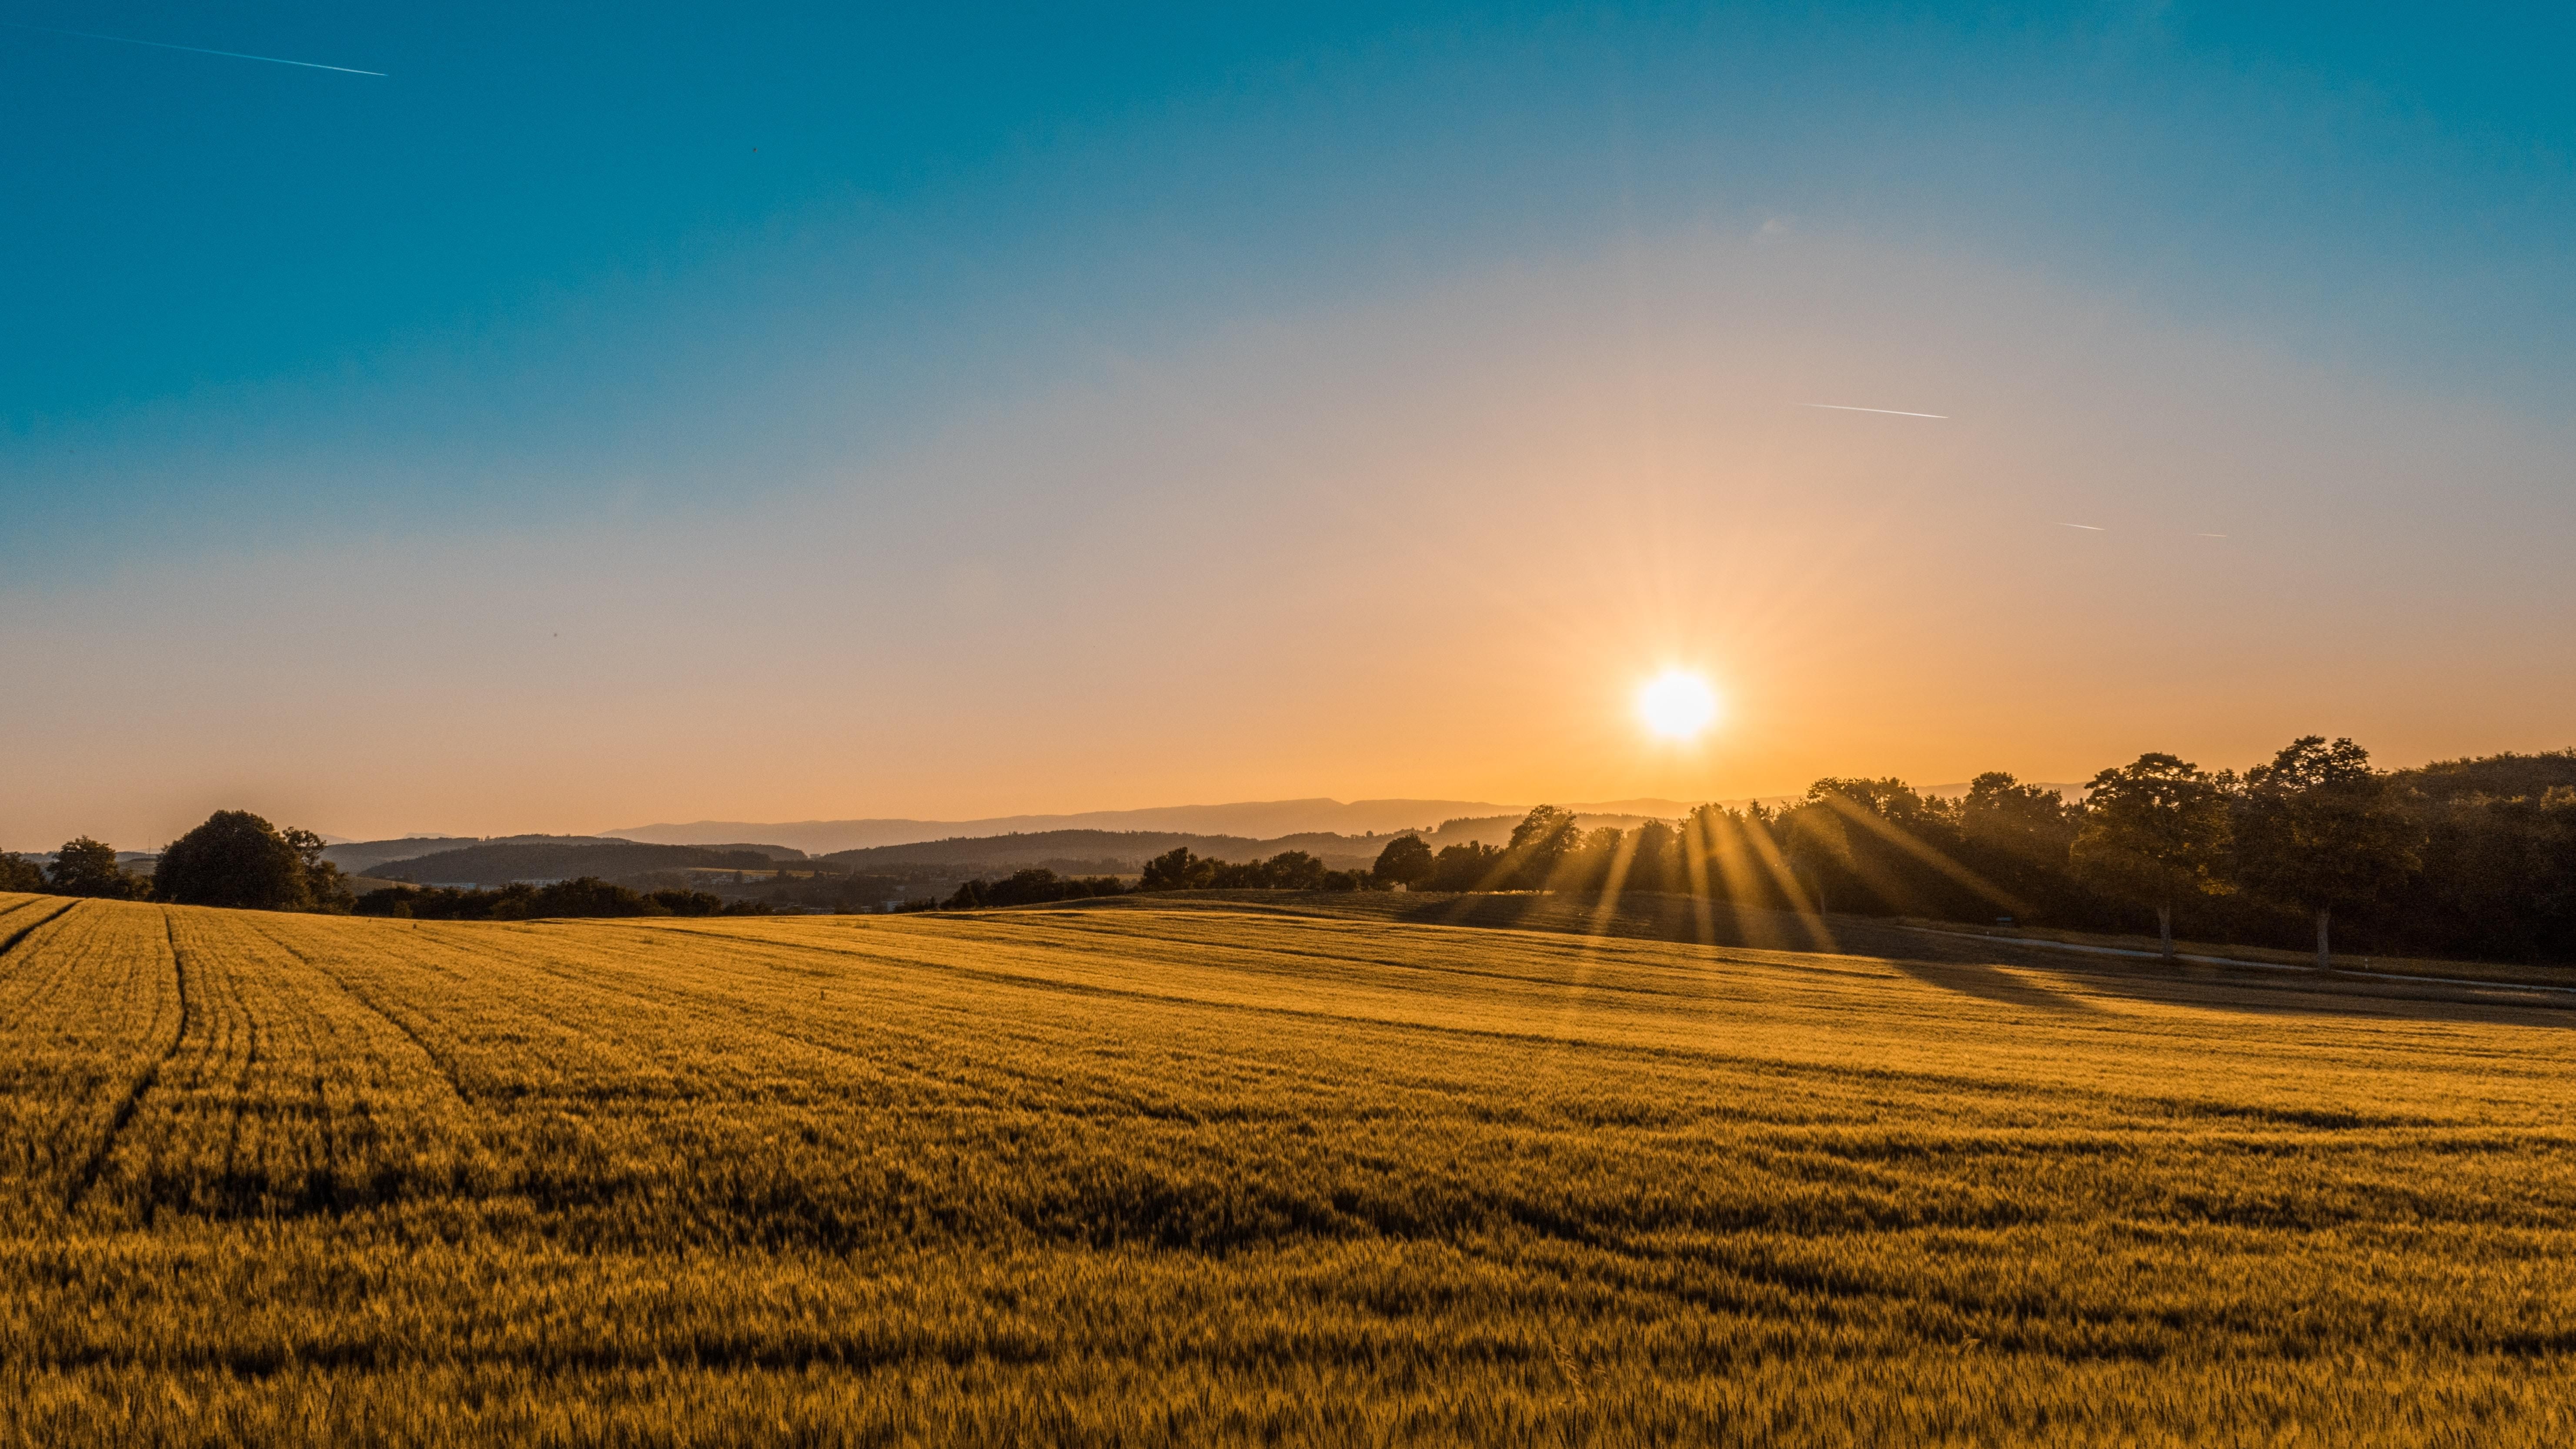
(1212,1174)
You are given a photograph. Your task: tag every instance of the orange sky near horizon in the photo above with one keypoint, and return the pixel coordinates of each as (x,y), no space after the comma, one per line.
(1424,547)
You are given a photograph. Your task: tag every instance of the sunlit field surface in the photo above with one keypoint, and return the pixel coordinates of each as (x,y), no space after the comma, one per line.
(1209,1173)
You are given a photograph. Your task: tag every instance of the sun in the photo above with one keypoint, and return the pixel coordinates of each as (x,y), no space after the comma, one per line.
(1677,704)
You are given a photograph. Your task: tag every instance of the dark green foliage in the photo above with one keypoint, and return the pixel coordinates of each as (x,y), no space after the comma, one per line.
(1470,865)
(1034,886)
(1290,870)
(2319,829)
(239,860)
(18,873)
(2496,877)
(2495,777)
(2153,831)
(86,867)
(1405,861)
(1539,845)
(1175,870)
(582,896)
(2017,836)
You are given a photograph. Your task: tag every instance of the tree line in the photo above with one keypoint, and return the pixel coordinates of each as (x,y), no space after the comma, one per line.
(2466,858)
(234,859)
(240,860)
(519,901)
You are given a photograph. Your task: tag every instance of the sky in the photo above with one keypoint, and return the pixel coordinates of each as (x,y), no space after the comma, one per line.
(782,413)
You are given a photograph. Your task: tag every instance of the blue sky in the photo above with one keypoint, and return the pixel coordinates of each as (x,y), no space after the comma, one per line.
(557,276)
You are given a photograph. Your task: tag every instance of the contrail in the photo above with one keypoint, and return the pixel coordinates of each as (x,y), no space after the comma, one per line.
(2088,528)
(1891,412)
(191,49)
(2209,535)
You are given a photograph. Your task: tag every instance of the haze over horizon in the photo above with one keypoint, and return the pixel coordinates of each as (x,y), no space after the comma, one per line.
(986,412)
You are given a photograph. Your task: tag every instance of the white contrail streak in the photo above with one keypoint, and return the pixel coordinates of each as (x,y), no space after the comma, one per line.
(191,49)
(1891,412)
(2088,528)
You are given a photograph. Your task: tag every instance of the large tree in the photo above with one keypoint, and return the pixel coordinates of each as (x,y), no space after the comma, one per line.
(2154,831)
(2018,836)
(1539,844)
(86,867)
(1405,861)
(238,859)
(1176,870)
(2319,829)
(1817,845)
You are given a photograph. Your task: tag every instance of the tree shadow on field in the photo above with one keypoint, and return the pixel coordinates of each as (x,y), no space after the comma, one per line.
(1993,983)
(1998,969)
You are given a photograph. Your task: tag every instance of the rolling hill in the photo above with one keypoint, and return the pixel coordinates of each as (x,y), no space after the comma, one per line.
(499,863)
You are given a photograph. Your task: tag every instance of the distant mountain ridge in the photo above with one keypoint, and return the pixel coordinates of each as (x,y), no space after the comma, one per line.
(1250,821)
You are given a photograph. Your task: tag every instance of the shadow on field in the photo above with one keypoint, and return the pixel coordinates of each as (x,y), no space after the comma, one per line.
(1993,983)
(1999,970)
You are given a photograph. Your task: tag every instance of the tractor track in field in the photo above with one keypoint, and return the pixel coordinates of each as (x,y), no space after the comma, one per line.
(11,941)
(143,1082)
(437,1060)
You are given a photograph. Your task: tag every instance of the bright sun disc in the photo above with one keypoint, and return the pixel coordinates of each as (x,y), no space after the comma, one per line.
(1677,704)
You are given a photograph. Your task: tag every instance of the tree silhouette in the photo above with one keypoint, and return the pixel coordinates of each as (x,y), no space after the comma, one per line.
(1405,861)
(235,859)
(86,867)
(2153,831)
(1543,839)
(2318,828)
(1816,843)
(18,873)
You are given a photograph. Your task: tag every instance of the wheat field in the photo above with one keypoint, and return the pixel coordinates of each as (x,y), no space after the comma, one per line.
(1201,1173)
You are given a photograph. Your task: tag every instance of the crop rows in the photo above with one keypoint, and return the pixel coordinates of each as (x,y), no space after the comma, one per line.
(1137,1176)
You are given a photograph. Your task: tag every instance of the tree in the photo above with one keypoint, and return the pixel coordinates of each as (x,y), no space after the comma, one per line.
(1469,865)
(1293,870)
(2319,829)
(1816,843)
(86,867)
(1405,861)
(239,860)
(18,873)
(2153,831)
(1654,861)
(2019,836)
(1543,839)
(322,879)
(1176,870)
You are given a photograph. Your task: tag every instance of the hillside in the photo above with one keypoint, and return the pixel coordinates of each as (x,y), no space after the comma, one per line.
(1245,1174)
(1257,821)
(561,859)
(1247,820)
(360,856)
(2505,776)
(1106,851)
